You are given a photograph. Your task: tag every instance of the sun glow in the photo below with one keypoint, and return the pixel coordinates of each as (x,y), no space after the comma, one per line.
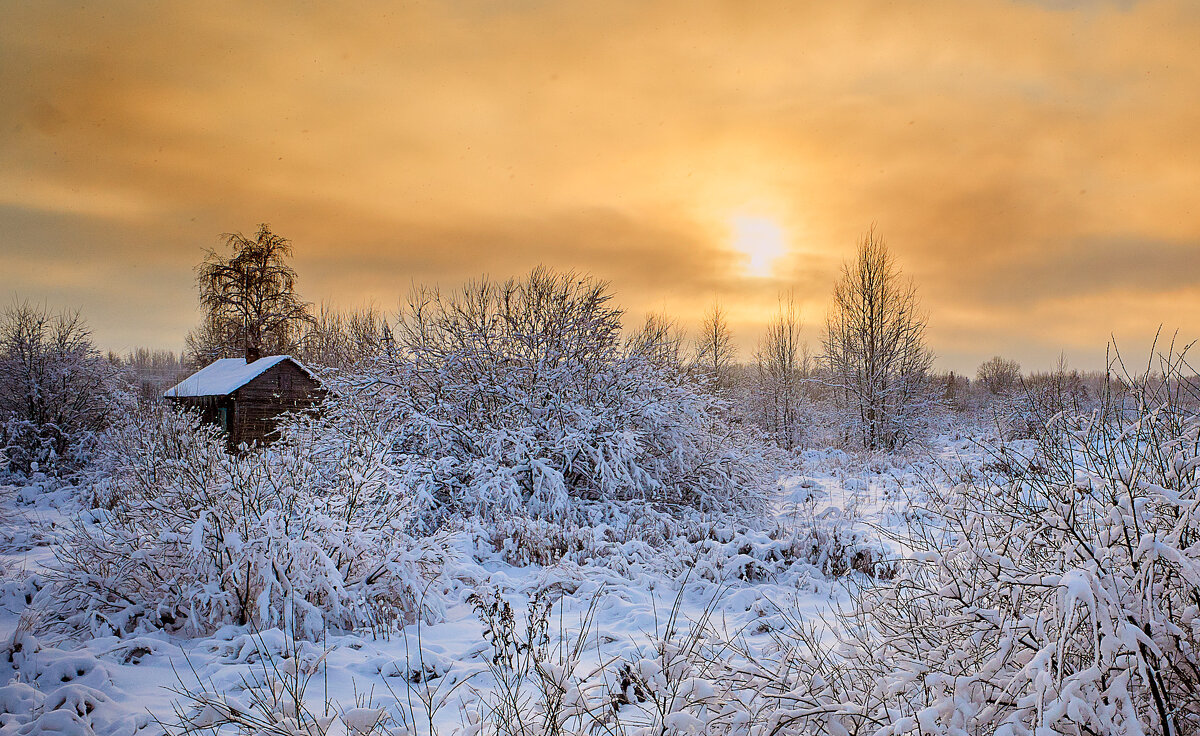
(761,240)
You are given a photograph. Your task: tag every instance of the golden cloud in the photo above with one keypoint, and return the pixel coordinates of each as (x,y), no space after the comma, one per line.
(1032,164)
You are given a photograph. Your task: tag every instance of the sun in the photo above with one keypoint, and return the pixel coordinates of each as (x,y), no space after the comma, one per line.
(761,240)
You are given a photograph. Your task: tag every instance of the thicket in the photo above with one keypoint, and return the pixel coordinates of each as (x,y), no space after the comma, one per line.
(56,391)
(522,397)
(497,403)
(311,534)
(1058,592)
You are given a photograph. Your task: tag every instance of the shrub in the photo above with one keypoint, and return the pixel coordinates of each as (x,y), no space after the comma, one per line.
(521,398)
(1064,600)
(310,534)
(1039,403)
(56,392)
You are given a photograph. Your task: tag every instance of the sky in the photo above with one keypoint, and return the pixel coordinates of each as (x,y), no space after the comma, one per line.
(1034,166)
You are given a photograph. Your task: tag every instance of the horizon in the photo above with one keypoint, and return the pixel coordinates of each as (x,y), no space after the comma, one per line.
(1030,164)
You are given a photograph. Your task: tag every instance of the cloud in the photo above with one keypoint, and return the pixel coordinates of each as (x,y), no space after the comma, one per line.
(1016,155)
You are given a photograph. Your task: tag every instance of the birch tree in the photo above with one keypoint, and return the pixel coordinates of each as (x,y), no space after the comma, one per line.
(778,366)
(875,349)
(249,299)
(714,346)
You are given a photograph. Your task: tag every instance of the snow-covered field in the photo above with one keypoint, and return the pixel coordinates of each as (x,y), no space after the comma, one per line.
(605,620)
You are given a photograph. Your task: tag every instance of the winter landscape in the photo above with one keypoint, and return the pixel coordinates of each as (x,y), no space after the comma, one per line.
(879,461)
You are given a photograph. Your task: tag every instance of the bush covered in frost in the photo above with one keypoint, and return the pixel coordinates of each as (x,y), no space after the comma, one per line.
(518,400)
(310,534)
(56,391)
(1035,405)
(1063,599)
(522,398)
(645,543)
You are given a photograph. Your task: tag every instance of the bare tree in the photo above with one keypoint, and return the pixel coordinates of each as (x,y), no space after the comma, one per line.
(999,375)
(150,372)
(661,341)
(249,299)
(779,362)
(714,347)
(342,339)
(875,349)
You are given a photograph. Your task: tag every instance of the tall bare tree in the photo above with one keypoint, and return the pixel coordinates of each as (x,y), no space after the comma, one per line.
(249,299)
(875,349)
(714,346)
(779,365)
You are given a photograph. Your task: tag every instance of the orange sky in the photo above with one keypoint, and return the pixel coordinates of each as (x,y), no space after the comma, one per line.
(1035,165)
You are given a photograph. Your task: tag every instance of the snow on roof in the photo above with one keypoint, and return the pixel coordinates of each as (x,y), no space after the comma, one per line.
(224,376)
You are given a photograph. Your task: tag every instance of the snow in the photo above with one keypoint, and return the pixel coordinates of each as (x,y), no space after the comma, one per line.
(224,376)
(624,619)
(110,686)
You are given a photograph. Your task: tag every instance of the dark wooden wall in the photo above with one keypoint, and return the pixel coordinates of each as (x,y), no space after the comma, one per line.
(254,409)
(258,404)
(208,406)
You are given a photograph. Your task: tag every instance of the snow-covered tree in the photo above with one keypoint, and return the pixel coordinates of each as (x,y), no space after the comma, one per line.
(999,375)
(56,391)
(875,349)
(779,371)
(714,349)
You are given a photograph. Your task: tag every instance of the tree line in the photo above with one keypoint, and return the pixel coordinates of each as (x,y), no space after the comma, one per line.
(871,385)
(875,360)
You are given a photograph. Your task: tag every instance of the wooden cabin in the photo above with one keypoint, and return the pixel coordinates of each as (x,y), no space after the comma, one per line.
(246,397)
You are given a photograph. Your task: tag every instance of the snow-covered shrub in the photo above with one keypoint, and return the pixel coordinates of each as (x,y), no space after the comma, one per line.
(56,391)
(337,340)
(48,690)
(522,398)
(837,547)
(274,698)
(309,534)
(682,681)
(1034,406)
(636,542)
(1065,599)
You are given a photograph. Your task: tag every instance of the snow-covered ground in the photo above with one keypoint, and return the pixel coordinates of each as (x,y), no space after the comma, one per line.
(626,601)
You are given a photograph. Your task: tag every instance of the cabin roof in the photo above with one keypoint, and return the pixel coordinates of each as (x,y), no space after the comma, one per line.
(223,377)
